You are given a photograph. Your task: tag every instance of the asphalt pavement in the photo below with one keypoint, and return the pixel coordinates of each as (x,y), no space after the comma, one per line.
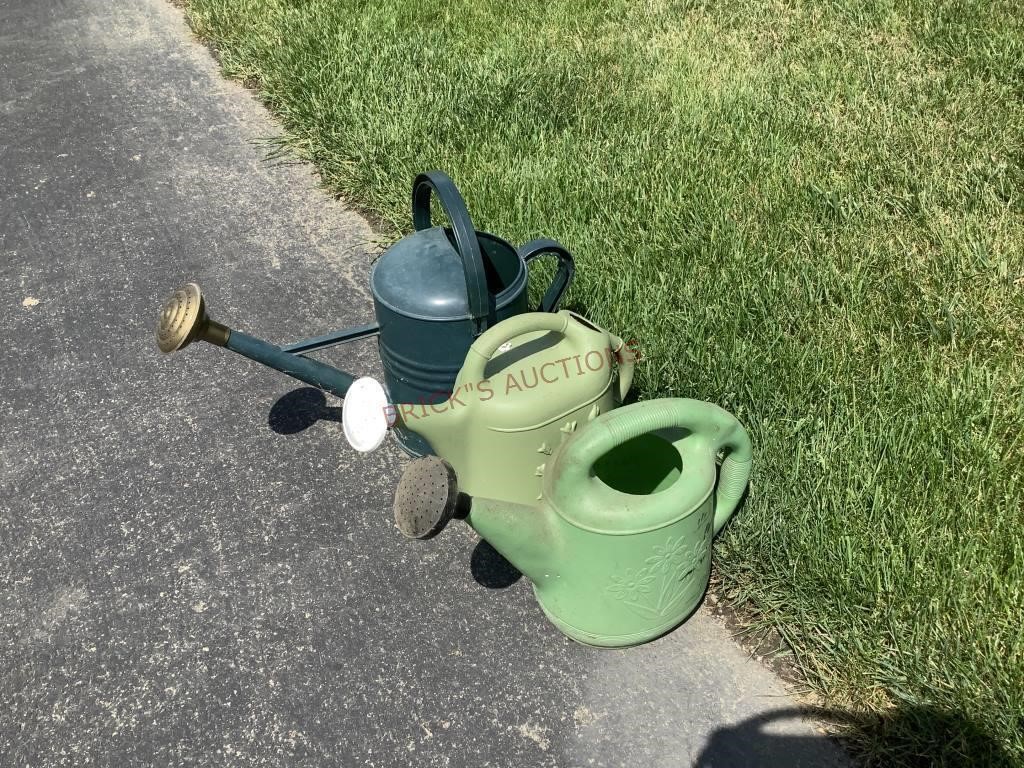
(194,567)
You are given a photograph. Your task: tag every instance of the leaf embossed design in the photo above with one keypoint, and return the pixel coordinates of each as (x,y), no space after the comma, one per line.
(655,590)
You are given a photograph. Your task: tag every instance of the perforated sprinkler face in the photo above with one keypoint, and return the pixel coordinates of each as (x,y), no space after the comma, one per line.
(181,314)
(426,497)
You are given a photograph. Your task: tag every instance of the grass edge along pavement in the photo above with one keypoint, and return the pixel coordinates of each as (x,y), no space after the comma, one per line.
(808,213)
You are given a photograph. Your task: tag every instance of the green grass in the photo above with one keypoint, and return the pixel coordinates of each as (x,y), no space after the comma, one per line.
(808,212)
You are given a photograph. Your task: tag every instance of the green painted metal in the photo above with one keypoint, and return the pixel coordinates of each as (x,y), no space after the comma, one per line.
(438,289)
(434,292)
(526,383)
(332,339)
(619,547)
(325,377)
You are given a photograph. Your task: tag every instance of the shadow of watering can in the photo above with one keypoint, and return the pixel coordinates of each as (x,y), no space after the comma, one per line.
(434,292)
(526,385)
(619,545)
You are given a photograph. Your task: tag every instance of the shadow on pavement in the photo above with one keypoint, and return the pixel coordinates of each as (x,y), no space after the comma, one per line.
(299,410)
(910,736)
(490,569)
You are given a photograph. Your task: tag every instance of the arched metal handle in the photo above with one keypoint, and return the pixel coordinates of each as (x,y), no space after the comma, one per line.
(466,242)
(566,269)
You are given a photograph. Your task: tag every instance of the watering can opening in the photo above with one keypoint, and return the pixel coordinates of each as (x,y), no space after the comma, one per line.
(501,270)
(642,466)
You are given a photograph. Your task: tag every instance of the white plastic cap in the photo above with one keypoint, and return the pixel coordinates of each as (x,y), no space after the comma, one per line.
(366,414)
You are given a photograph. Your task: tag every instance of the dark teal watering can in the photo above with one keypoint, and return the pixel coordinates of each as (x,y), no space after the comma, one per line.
(434,292)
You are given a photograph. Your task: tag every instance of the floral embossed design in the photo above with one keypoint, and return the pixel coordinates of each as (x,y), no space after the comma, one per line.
(632,584)
(656,589)
(667,555)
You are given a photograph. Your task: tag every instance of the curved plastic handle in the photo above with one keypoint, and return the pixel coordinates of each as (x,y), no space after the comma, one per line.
(566,269)
(487,344)
(466,242)
(721,430)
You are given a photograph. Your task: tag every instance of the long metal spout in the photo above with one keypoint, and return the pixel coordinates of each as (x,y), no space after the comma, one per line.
(183,320)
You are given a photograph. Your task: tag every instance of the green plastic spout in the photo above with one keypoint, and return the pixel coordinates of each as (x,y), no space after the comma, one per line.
(440,424)
(428,498)
(528,537)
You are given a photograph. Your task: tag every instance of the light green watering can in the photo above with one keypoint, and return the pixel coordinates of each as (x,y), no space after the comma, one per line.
(619,546)
(527,383)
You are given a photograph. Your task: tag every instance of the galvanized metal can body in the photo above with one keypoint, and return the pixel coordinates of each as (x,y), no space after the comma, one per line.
(439,288)
(426,326)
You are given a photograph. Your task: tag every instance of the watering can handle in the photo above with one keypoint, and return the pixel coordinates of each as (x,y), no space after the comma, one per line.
(487,344)
(466,242)
(559,322)
(721,430)
(564,276)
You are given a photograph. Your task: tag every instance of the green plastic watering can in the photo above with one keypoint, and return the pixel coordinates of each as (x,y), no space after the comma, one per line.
(526,384)
(619,546)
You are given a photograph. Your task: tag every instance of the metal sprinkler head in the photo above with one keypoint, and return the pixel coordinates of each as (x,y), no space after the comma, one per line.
(183,319)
